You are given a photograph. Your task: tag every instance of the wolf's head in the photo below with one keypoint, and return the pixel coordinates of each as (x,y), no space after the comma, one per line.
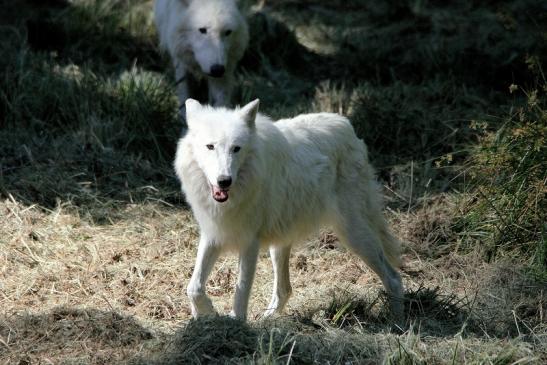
(221,141)
(217,34)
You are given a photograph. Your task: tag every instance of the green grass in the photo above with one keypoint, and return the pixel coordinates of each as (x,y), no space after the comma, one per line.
(506,210)
(79,128)
(88,129)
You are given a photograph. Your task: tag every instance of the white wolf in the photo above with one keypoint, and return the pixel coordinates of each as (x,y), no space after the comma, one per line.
(205,38)
(253,183)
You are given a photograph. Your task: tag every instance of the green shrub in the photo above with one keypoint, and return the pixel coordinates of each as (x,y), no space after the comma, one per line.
(506,211)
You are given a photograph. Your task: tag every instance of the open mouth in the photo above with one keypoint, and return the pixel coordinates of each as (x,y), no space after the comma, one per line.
(219,194)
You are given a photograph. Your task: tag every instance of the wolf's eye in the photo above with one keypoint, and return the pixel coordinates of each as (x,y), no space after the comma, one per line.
(203,30)
(236,149)
(228,32)
(210,147)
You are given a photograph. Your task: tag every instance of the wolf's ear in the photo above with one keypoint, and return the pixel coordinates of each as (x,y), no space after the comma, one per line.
(192,106)
(248,112)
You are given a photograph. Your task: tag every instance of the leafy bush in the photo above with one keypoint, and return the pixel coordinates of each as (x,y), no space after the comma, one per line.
(506,211)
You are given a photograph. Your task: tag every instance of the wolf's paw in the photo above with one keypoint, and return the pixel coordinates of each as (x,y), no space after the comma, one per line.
(203,307)
(271,312)
(241,316)
(199,314)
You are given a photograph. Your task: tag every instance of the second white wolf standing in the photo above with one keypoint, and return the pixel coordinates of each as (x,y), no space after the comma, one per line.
(205,39)
(252,183)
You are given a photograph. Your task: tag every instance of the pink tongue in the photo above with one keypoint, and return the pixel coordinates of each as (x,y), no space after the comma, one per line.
(219,195)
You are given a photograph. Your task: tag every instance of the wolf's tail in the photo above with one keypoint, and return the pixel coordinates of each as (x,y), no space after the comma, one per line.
(391,245)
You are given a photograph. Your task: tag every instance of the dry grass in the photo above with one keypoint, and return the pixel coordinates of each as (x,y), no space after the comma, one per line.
(74,291)
(97,245)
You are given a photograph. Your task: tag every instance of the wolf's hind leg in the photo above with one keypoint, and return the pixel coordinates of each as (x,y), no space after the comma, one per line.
(358,235)
(281,286)
(207,255)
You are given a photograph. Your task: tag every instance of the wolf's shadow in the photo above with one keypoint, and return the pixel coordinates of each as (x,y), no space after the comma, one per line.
(68,329)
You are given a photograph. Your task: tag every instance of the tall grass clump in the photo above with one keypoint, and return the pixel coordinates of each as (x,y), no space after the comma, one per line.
(113,32)
(506,210)
(81,133)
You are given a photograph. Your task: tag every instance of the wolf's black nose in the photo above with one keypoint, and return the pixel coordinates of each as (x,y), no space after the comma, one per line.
(217,70)
(224,181)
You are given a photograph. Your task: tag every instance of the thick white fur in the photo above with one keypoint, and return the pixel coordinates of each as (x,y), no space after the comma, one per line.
(289,178)
(178,23)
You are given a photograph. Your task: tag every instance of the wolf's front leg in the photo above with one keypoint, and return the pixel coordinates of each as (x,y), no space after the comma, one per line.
(181,82)
(282,286)
(208,253)
(220,90)
(247,267)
